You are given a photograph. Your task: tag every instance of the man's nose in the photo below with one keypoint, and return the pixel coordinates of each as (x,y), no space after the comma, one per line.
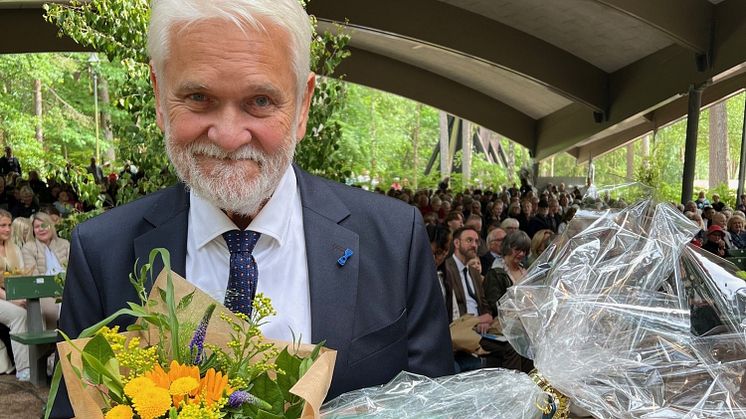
(230,129)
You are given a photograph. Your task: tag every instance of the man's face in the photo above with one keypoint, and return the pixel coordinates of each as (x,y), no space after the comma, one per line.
(467,244)
(715,198)
(496,241)
(718,219)
(226,99)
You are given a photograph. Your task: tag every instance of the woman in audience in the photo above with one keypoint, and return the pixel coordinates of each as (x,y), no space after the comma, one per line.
(13,313)
(737,233)
(539,243)
(47,254)
(515,247)
(496,284)
(21,231)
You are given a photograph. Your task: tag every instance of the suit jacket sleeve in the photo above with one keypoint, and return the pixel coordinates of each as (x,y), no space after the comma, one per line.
(429,341)
(81,303)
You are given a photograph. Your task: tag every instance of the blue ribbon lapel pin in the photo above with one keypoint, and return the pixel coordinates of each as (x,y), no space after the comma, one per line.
(341,261)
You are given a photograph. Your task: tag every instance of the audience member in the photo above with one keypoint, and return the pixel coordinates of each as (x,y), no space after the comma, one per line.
(467,288)
(493,258)
(13,313)
(9,163)
(736,231)
(26,205)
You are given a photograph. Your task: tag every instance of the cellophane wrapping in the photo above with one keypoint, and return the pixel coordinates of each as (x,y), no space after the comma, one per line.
(488,393)
(626,318)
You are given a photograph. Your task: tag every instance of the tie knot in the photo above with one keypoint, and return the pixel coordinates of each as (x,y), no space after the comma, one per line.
(241,241)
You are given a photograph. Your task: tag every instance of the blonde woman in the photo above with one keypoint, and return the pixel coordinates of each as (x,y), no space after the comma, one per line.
(46,254)
(12,313)
(21,231)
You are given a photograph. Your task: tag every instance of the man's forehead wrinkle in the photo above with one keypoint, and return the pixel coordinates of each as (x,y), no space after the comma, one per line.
(183,28)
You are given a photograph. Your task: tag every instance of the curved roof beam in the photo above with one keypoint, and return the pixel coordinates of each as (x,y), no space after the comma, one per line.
(688,23)
(377,71)
(450,27)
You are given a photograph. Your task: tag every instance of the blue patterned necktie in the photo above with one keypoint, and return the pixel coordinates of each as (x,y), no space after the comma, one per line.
(243,274)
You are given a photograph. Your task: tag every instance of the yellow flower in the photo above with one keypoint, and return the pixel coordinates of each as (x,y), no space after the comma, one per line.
(136,385)
(196,411)
(183,385)
(152,402)
(121,411)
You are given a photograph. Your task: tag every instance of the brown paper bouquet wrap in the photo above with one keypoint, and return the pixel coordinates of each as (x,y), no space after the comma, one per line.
(87,401)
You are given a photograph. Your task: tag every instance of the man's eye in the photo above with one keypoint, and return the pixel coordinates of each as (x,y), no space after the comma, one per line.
(262,101)
(197,97)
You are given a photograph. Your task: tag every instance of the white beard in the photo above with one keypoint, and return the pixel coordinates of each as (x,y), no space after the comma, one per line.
(229,186)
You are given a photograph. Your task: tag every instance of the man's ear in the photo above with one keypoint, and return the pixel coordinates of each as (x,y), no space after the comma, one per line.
(300,130)
(156,92)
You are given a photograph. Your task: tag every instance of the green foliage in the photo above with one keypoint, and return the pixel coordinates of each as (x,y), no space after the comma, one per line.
(319,152)
(67,109)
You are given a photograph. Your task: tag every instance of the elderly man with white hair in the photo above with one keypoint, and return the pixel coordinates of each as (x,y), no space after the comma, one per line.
(233,88)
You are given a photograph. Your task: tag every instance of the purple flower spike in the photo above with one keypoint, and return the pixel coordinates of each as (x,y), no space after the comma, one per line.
(196,346)
(239,397)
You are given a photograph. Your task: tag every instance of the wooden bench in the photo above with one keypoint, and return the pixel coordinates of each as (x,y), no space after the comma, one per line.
(40,342)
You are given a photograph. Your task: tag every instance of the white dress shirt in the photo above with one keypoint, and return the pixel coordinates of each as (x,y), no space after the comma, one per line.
(472,307)
(280,256)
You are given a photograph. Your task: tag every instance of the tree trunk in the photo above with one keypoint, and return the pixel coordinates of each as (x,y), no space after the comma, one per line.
(38,111)
(646,151)
(416,144)
(511,161)
(103,92)
(551,166)
(718,145)
(631,161)
(467,144)
(445,167)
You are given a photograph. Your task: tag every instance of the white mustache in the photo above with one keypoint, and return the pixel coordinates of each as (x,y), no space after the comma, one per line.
(245,152)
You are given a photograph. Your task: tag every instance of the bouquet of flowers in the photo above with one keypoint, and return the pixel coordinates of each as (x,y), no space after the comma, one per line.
(178,361)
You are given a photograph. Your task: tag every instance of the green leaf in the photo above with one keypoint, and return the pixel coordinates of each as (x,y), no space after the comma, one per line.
(99,349)
(268,391)
(291,366)
(53,389)
(185,301)
(263,414)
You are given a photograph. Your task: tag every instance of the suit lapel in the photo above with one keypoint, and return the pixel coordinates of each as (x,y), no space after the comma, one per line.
(333,287)
(458,289)
(169,218)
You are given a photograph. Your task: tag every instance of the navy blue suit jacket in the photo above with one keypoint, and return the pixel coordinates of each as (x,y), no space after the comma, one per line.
(382,311)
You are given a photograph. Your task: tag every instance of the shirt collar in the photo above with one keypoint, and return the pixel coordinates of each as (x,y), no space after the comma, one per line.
(208,222)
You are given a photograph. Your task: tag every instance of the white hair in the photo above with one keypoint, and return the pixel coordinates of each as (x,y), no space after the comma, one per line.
(287,14)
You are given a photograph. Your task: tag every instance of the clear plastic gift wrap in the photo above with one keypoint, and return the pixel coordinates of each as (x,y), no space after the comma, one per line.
(488,393)
(624,318)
